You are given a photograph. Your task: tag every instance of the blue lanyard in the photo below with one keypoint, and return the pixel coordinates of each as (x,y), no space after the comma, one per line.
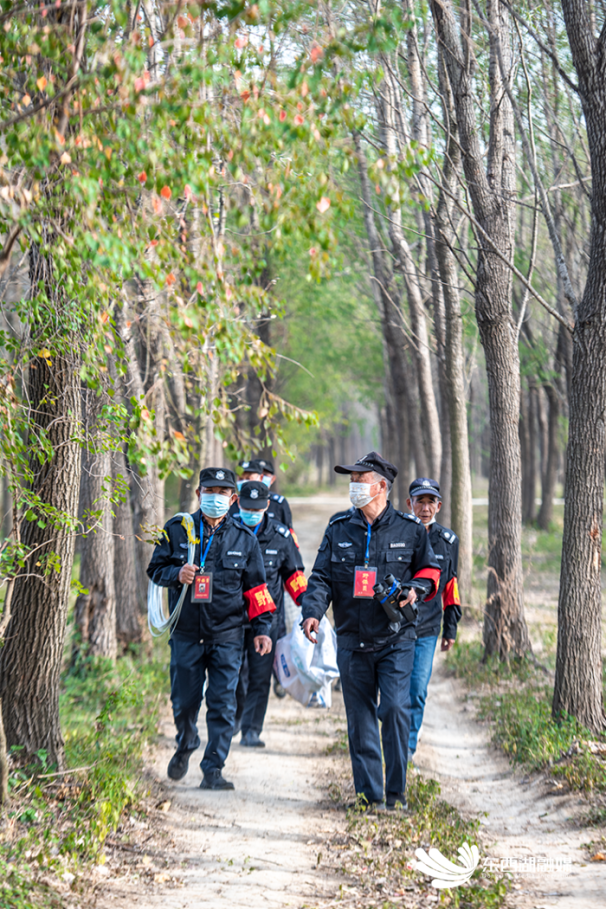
(203,561)
(368,535)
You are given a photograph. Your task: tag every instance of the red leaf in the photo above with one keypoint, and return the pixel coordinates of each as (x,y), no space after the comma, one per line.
(323,205)
(170,279)
(282,116)
(199,287)
(299,120)
(316,53)
(166,192)
(241,42)
(187,191)
(142,177)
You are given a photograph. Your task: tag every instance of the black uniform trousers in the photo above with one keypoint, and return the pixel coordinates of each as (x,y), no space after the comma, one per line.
(190,662)
(364,676)
(255,681)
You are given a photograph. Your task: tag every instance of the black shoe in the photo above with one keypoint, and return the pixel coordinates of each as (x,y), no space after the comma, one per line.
(251,739)
(396,803)
(178,764)
(214,780)
(278,690)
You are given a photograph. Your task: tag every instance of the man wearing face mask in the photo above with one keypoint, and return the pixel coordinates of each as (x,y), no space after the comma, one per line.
(443,610)
(283,570)
(226,589)
(375,630)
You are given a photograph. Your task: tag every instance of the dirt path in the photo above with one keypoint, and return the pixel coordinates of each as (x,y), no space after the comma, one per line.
(258,846)
(524,819)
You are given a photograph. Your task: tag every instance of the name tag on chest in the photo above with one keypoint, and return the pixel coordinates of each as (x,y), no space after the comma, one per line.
(202,588)
(364,581)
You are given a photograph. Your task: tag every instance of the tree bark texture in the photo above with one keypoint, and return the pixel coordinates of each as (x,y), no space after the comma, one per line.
(30,661)
(550,474)
(578,680)
(128,622)
(491,192)
(95,611)
(454,353)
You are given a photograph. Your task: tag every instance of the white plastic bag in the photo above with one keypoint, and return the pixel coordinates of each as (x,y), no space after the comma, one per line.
(305,670)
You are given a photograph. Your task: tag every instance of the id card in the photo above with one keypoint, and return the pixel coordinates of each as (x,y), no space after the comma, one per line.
(364,581)
(202,588)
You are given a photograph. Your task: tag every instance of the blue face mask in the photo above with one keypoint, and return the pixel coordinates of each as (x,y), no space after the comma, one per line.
(214,505)
(267,480)
(240,484)
(251,518)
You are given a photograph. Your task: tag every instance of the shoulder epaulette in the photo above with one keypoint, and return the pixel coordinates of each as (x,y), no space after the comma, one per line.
(340,516)
(409,517)
(449,535)
(281,528)
(276,497)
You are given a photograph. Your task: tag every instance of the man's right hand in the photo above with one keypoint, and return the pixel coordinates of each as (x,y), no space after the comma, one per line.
(310,626)
(187,574)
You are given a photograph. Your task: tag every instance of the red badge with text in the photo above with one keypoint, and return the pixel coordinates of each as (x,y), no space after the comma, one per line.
(364,581)
(202,588)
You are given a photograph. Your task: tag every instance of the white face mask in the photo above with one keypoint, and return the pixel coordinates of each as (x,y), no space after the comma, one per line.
(359,494)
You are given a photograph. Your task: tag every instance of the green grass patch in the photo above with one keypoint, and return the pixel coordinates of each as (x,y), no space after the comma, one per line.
(379,849)
(56,825)
(516,699)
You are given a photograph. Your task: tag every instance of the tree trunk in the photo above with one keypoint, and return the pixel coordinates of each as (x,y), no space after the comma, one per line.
(3,763)
(527,445)
(491,192)
(128,622)
(393,335)
(30,661)
(578,680)
(548,484)
(95,611)
(454,354)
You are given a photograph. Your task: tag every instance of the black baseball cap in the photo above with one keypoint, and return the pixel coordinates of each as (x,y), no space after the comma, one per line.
(254,494)
(254,465)
(373,461)
(217,476)
(424,486)
(268,466)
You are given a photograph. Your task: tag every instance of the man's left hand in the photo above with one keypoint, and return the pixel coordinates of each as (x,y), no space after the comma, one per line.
(411,598)
(447,644)
(263,644)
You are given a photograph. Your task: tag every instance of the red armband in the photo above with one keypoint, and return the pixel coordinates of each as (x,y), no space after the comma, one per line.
(296,584)
(450,596)
(433,575)
(295,538)
(258,601)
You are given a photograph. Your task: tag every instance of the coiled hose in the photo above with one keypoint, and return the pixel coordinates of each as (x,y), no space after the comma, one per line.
(157,622)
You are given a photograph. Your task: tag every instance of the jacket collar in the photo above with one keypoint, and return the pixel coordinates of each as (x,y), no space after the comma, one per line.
(385,518)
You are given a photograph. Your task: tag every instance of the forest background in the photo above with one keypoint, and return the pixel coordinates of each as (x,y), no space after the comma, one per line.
(303,230)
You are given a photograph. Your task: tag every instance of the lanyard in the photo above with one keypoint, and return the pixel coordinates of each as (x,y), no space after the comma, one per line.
(368,535)
(203,560)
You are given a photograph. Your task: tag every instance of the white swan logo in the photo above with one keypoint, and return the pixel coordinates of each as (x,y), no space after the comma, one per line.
(444,872)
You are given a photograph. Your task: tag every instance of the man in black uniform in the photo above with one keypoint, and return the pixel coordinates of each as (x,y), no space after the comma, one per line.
(443,610)
(375,650)
(283,569)
(278,505)
(227,589)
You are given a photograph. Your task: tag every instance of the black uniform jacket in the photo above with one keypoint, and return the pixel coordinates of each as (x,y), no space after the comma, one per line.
(239,589)
(282,562)
(399,545)
(279,509)
(445,545)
